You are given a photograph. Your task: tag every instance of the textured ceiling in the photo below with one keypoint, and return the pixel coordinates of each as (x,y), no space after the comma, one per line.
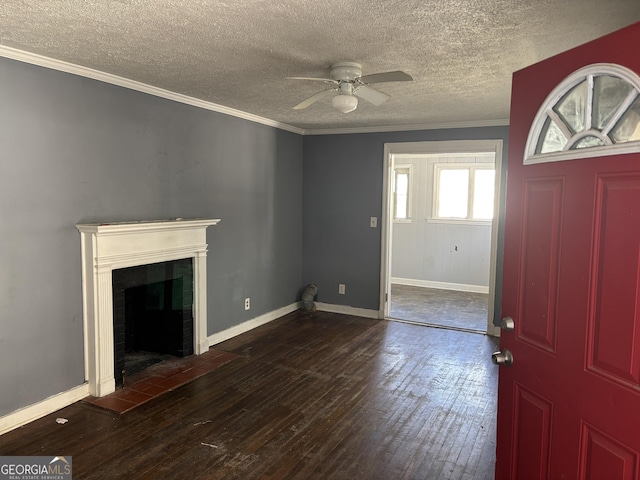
(461,53)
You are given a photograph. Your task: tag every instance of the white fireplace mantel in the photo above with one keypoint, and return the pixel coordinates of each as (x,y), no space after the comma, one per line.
(109,246)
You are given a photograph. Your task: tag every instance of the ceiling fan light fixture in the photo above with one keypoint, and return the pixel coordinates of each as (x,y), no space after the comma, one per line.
(344,103)
(348,83)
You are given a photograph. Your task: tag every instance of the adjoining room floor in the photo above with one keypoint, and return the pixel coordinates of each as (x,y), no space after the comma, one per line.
(447,308)
(323,396)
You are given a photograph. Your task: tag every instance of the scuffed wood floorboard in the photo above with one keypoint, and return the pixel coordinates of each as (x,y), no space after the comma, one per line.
(326,396)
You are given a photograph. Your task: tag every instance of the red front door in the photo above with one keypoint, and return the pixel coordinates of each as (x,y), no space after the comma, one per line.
(569,406)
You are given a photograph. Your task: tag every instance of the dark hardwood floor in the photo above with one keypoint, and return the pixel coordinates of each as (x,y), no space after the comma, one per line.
(326,396)
(443,308)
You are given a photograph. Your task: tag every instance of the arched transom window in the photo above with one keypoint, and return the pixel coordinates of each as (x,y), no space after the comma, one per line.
(593,112)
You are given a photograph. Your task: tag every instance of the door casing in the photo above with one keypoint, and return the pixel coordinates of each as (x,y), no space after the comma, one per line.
(436,147)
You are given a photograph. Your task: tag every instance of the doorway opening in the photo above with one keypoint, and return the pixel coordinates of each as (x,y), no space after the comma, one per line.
(440,233)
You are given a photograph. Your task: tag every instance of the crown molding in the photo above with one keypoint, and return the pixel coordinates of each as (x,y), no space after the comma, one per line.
(406,128)
(62,66)
(42,61)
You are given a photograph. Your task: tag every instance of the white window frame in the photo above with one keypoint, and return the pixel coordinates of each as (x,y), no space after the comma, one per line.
(587,73)
(408,168)
(472,167)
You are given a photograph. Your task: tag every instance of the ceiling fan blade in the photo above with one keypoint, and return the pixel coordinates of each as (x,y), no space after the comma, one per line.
(371,95)
(328,80)
(396,76)
(314,98)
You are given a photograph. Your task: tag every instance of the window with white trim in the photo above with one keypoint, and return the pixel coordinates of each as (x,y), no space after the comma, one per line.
(402,193)
(463,192)
(595,111)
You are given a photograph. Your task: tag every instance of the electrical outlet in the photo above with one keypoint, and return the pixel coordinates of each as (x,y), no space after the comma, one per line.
(373,222)
(341,288)
(247,303)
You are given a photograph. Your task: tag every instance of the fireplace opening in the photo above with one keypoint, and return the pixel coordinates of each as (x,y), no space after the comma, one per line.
(152,315)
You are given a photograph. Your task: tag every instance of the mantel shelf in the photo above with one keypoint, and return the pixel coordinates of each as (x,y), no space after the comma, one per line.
(129,227)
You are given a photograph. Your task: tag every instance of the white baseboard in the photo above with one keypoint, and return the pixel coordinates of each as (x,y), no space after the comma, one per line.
(45,407)
(251,324)
(345,309)
(460,287)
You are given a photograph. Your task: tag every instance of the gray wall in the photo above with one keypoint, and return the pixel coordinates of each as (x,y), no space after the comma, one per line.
(343,187)
(74,150)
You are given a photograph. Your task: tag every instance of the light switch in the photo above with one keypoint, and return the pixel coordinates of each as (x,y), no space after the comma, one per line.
(374,222)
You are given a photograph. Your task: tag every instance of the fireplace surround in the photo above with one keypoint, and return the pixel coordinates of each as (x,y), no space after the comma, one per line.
(152,315)
(106,247)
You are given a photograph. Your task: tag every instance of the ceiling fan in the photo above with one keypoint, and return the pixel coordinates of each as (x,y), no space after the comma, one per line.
(348,83)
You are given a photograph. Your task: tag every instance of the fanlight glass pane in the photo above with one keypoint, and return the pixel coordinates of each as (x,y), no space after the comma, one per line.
(453,193)
(551,138)
(628,127)
(587,142)
(483,191)
(608,94)
(600,111)
(572,107)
